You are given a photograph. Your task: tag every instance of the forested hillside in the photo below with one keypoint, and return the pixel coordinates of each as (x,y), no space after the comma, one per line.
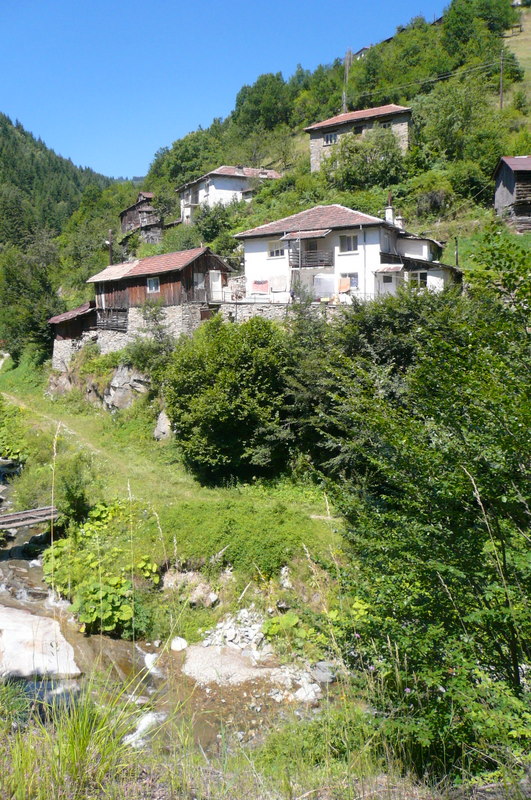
(38,189)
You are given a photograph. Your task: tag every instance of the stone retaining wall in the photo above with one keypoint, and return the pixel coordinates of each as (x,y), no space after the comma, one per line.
(179,320)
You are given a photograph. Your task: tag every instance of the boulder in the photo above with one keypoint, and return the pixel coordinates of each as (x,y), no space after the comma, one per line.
(178,644)
(323,672)
(125,386)
(163,427)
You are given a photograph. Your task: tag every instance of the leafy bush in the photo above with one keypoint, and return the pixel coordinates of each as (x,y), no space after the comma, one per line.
(94,566)
(224,395)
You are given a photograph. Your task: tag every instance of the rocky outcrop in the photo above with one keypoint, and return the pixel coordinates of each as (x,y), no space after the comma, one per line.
(125,386)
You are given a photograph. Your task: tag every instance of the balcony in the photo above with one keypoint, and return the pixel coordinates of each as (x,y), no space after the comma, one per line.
(311,259)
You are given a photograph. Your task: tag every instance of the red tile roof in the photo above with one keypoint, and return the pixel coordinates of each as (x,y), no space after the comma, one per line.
(516,163)
(247,172)
(314,219)
(353,116)
(75,312)
(153,265)
(236,172)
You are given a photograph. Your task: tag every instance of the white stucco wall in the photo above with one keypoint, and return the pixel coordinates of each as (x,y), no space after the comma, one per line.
(212,190)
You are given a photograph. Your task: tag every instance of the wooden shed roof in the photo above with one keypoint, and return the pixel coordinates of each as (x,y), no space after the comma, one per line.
(86,308)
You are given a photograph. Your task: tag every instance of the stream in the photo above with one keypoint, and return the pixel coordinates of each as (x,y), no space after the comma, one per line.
(41,645)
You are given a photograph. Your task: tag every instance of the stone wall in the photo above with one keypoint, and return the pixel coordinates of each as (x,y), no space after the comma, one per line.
(182,319)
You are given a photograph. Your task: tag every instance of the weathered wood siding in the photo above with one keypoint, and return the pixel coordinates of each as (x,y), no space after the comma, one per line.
(73,328)
(175,287)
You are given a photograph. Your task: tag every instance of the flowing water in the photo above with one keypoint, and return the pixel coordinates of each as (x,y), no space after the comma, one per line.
(40,643)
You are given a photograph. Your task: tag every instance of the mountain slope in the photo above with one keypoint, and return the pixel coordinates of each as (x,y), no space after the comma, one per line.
(38,188)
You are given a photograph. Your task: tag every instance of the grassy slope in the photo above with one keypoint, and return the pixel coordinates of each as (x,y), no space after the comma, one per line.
(128,459)
(521,47)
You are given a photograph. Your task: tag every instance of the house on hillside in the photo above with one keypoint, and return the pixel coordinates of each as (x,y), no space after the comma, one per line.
(186,284)
(328,132)
(336,254)
(222,185)
(512,195)
(142,217)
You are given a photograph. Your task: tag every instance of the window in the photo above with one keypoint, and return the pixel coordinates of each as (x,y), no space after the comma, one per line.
(348,282)
(358,129)
(386,244)
(330,138)
(387,278)
(348,244)
(153,285)
(386,125)
(275,249)
(418,279)
(199,280)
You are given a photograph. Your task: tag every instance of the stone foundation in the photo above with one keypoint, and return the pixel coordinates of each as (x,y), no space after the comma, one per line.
(179,320)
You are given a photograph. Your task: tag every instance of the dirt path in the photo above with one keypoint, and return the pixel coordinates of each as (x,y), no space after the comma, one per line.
(55,422)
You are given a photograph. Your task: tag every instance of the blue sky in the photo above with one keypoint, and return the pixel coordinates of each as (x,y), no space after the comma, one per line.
(107,84)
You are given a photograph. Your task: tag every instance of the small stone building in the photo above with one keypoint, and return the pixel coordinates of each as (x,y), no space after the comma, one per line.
(328,132)
(512,195)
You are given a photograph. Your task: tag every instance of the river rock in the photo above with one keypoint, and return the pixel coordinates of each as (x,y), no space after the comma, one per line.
(178,644)
(308,693)
(323,672)
(125,386)
(33,646)
(163,427)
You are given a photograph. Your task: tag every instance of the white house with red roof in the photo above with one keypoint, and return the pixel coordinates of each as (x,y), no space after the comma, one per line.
(323,135)
(336,254)
(223,185)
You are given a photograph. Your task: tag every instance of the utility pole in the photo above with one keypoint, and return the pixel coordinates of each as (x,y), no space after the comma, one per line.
(348,64)
(501,79)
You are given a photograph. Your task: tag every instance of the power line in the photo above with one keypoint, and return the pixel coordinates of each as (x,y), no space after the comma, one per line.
(444,77)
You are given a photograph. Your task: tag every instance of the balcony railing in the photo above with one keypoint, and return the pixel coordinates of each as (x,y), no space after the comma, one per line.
(312,258)
(111,320)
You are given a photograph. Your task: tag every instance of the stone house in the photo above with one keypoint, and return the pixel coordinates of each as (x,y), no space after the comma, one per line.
(512,194)
(336,254)
(323,135)
(222,185)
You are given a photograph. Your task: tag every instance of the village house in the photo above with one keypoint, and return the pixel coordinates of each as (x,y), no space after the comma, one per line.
(187,284)
(142,217)
(328,132)
(336,254)
(222,185)
(512,195)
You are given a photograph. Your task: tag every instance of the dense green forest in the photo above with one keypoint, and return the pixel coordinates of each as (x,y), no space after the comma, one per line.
(38,189)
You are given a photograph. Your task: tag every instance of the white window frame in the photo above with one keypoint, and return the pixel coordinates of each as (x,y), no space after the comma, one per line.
(351,275)
(275,249)
(153,285)
(330,138)
(351,247)
(415,279)
(198,280)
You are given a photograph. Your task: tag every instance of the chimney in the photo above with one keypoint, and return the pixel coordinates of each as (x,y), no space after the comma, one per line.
(390,215)
(400,221)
